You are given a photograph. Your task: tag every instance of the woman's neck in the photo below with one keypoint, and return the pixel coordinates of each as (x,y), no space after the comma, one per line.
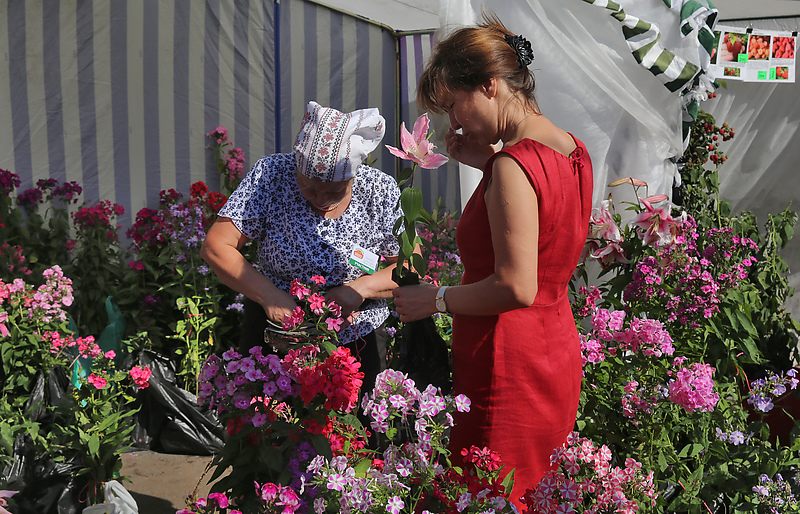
(519,122)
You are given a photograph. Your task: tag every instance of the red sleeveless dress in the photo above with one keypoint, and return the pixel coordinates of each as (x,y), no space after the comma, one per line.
(522,369)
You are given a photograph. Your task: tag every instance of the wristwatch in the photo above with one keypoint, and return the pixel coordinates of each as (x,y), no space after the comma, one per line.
(441,305)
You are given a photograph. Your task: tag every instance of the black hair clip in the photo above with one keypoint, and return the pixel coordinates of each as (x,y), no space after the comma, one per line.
(522,47)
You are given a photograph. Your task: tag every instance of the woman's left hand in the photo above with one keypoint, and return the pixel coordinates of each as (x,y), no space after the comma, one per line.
(415,302)
(345,297)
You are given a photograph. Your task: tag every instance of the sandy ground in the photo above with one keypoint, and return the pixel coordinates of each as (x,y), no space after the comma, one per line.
(160,482)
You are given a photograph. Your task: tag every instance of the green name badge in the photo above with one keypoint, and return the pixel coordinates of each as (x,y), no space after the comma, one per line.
(364,260)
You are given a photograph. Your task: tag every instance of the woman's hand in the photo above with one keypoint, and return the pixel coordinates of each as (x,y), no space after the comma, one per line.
(466,151)
(278,306)
(345,297)
(415,302)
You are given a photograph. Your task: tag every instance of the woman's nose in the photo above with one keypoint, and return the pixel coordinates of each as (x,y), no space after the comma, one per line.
(454,124)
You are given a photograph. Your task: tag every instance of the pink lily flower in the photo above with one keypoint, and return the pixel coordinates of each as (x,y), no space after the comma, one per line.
(603,225)
(4,495)
(655,223)
(609,254)
(416,146)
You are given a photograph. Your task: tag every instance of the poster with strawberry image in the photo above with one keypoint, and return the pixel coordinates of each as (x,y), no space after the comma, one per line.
(783,57)
(753,55)
(758,57)
(771,57)
(730,53)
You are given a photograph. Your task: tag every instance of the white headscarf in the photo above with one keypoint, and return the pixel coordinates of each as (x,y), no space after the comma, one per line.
(332,144)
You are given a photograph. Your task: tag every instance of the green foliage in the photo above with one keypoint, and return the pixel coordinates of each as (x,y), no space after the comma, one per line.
(196,333)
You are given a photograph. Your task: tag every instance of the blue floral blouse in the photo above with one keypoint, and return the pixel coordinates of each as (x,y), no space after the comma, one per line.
(295,242)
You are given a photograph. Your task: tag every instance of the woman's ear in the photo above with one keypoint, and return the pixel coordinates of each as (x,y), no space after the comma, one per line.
(489,88)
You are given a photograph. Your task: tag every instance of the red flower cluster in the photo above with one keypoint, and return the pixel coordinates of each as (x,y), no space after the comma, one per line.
(8,182)
(148,231)
(98,216)
(338,379)
(453,490)
(482,458)
(209,201)
(341,436)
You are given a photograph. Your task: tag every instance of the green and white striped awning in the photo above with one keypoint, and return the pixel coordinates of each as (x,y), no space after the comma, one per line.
(679,75)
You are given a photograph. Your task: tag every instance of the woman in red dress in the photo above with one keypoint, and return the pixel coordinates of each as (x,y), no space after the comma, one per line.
(515,349)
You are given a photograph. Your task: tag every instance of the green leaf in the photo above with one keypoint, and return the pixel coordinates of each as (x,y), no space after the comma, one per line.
(94,444)
(419,263)
(746,323)
(404,174)
(411,201)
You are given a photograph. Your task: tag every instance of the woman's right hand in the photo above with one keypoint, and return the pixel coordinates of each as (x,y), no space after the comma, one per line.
(466,151)
(279,306)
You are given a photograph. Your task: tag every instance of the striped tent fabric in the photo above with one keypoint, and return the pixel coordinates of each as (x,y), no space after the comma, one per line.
(442,183)
(679,75)
(119,95)
(337,60)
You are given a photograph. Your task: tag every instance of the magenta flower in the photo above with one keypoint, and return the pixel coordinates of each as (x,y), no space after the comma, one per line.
(299,290)
(416,146)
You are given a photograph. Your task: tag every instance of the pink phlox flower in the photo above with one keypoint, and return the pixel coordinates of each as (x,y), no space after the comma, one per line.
(97,381)
(569,490)
(317,303)
(603,455)
(220,134)
(394,505)
(633,464)
(294,319)
(655,224)
(571,466)
(289,499)
(334,323)
(299,290)
(220,499)
(141,376)
(335,308)
(693,388)
(462,403)
(564,508)
(318,279)
(416,146)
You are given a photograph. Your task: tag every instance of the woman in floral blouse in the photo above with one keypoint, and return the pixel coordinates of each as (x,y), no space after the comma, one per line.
(308,210)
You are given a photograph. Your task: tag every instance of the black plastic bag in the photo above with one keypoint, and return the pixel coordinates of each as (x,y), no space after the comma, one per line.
(169,418)
(422,353)
(46,485)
